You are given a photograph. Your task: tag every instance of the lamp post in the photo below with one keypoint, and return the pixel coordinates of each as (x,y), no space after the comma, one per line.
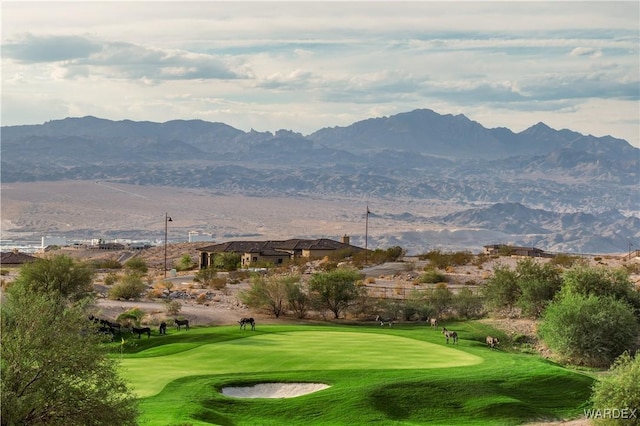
(630,244)
(167,219)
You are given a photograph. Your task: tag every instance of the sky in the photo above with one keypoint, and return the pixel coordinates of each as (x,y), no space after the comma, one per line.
(303,66)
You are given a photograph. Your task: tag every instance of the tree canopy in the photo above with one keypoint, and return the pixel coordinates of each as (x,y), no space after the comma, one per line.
(335,290)
(55,369)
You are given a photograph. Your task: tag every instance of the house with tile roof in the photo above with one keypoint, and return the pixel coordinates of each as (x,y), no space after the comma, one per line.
(275,252)
(494,249)
(15,258)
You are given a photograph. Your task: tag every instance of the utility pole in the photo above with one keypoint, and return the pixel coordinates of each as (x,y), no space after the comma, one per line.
(366,235)
(167,219)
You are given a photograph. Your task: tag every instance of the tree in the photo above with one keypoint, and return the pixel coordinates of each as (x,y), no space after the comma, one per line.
(439,299)
(270,292)
(587,280)
(335,290)
(226,261)
(297,300)
(417,304)
(591,330)
(57,274)
(55,369)
(620,389)
(538,285)
(501,289)
(467,304)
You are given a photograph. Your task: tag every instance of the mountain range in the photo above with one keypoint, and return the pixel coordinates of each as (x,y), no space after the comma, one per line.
(558,190)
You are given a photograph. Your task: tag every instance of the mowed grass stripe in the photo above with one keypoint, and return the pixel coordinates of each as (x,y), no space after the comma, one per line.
(291,351)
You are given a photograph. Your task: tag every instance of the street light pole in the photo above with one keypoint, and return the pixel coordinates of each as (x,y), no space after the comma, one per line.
(167,219)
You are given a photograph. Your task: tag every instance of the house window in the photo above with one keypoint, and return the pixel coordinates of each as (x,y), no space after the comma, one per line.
(254,259)
(280,261)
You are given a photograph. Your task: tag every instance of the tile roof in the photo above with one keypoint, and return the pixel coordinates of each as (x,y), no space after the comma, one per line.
(278,245)
(15,258)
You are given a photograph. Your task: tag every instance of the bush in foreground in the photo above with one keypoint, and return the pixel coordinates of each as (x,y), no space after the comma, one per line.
(589,330)
(620,389)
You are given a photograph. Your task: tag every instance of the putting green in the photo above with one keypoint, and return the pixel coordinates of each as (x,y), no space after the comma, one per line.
(291,351)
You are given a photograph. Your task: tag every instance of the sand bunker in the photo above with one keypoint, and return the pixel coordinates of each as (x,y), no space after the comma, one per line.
(274,390)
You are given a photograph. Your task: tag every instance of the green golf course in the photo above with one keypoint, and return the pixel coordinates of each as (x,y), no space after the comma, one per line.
(401,375)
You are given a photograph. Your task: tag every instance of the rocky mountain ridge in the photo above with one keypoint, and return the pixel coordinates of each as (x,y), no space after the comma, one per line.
(556,189)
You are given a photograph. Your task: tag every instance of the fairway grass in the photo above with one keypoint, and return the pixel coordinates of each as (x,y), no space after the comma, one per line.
(405,375)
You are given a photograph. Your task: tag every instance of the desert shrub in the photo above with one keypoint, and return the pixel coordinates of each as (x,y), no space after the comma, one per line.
(378,256)
(227,261)
(106,264)
(564,260)
(131,317)
(370,280)
(4,272)
(480,260)
(521,339)
(168,285)
(389,308)
(298,301)
(601,281)
(506,251)
(589,330)
(218,283)
(130,286)
(501,290)
(530,286)
(327,266)
(201,299)
(341,254)
(460,258)
(185,263)
(205,275)
(110,279)
(467,304)
(432,277)
(632,268)
(443,260)
(619,389)
(269,292)
(173,307)
(538,285)
(237,276)
(418,304)
(136,264)
(439,299)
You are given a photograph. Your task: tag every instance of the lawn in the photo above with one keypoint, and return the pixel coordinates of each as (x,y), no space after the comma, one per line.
(404,375)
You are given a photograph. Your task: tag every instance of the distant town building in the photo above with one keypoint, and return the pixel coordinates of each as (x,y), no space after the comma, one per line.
(53,241)
(196,237)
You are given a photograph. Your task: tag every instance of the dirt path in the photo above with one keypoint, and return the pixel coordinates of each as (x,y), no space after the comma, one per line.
(217,313)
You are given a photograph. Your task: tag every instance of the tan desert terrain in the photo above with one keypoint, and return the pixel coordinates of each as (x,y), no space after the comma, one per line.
(94,209)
